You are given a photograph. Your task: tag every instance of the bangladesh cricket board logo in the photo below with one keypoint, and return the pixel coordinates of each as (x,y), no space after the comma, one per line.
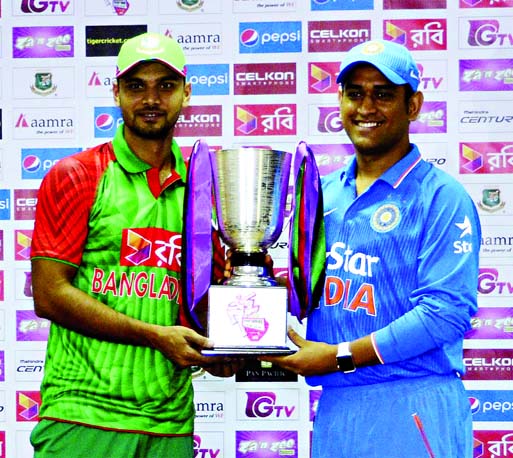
(189,5)
(491,200)
(43,84)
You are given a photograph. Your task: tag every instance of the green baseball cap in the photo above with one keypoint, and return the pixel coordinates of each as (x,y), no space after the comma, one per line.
(149,47)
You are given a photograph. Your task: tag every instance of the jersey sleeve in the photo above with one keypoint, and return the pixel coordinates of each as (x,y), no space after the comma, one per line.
(65,198)
(446,295)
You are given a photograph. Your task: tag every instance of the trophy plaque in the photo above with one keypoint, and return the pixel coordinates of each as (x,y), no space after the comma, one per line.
(247,315)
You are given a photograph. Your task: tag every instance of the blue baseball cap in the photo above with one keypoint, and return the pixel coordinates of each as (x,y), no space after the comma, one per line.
(391,59)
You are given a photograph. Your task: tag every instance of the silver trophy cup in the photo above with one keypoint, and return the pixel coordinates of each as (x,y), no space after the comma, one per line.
(250,187)
(248,313)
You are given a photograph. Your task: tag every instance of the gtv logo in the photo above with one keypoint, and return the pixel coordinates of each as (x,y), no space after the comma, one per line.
(53,6)
(263,405)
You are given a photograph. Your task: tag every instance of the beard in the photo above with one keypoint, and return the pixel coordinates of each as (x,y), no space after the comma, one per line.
(159,130)
(152,132)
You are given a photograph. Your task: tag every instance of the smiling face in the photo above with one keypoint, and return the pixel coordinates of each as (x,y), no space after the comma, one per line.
(376,113)
(151,98)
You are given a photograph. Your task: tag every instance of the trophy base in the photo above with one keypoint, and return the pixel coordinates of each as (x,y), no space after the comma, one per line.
(247,320)
(247,352)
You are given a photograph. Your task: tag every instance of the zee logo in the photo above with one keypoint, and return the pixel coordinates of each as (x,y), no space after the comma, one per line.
(264,405)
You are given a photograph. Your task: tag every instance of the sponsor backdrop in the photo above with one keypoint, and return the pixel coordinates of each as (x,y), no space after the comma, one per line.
(263,73)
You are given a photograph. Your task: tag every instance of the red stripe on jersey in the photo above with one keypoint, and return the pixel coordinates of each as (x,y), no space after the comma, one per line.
(65,198)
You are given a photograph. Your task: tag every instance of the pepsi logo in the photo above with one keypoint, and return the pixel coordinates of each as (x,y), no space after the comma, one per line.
(249,37)
(31,163)
(104,122)
(475,405)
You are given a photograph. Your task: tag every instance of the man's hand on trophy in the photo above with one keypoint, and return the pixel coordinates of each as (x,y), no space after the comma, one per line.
(183,346)
(311,358)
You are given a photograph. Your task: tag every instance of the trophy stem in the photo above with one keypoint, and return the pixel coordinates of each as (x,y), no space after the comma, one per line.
(249,269)
(241,258)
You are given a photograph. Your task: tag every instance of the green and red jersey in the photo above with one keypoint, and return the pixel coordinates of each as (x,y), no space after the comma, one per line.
(105,212)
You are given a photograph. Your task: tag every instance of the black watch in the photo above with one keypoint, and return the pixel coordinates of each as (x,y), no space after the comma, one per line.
(345,361)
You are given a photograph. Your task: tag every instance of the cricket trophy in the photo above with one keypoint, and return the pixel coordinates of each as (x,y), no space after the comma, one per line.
(249,186)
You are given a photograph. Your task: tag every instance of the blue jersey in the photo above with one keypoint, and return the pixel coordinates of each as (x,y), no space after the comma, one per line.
(402,265)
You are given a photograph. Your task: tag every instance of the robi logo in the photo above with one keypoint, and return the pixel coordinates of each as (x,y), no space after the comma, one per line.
(249,37)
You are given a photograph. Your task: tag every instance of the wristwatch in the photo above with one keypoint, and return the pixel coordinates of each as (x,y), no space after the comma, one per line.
(345,361)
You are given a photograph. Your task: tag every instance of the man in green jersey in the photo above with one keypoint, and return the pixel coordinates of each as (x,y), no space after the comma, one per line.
(106,271)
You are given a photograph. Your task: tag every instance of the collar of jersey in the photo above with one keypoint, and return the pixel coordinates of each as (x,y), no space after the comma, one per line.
(133,164)
(394,176)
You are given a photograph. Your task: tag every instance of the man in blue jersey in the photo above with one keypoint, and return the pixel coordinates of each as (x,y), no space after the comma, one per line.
(385,342)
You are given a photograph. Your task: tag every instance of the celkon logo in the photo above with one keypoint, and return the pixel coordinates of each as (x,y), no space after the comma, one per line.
(25,201)
(330,36)
(264,405)
(205,118)
(269,78)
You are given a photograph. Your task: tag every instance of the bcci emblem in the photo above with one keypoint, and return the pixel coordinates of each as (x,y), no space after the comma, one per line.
(43,84)
(189,5)
(385,218)
(491,201)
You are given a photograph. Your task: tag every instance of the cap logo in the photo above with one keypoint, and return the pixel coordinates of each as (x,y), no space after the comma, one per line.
(150,45)
(373,47)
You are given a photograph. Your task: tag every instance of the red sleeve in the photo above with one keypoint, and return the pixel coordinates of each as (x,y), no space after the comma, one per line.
(64,201)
